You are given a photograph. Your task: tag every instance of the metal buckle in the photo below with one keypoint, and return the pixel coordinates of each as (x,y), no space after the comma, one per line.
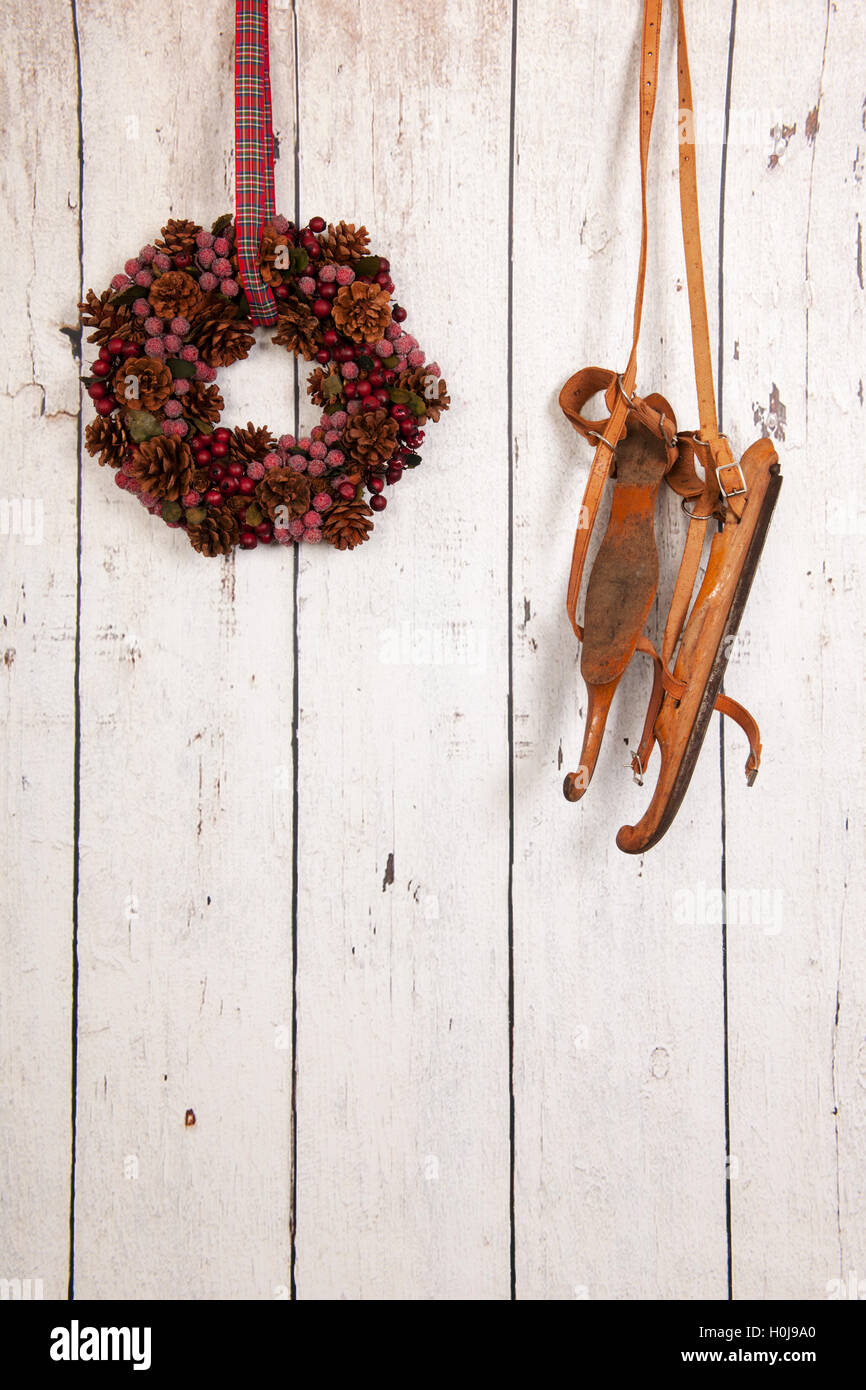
(734,492)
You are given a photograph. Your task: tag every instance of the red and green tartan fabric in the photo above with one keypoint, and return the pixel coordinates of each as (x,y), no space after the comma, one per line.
(254,151)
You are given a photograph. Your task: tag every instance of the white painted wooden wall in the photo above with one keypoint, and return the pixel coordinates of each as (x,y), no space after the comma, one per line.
(260,863)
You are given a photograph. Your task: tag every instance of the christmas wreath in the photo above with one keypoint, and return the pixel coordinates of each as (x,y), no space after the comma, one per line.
(179,311)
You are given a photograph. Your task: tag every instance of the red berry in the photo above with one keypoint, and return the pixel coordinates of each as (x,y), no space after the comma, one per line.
(131,350)
(378,503)
(229,486)
(321,308)
(390,377)
(217,473)
(407,427)
(104,407)
(349,390)
(376,483)
(213,498)
(105,354)
(346,491)
(383,278)
(101,368)
(382,397)
(248,540)
(235,470)
(282,291)
(399,412)
(96,390)
(393,475)
(376,379)
(384,263)
(330,337)
(364,388)
(202,457)
(398,314)
(222,435)
(181,261)
(323,356)
(115,346)
(345,353)
(247,486)
(263,531)
(317,224)
(314,250)
(219,448)
(328,291)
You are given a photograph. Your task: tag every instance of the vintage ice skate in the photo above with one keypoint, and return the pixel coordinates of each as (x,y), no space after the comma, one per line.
(638,446)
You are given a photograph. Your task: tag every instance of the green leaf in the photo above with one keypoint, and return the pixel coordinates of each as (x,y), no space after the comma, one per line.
(399,395)
(416,404)
(171,511)
(332,385)
(221,224)
(203,426)
(392,361)
(412,461)
(368,265)
(129,295)
(142,425)
(196,515)
(299,260)
(366,363)
(254,515)
(331,408)
(88,380)
(180,367)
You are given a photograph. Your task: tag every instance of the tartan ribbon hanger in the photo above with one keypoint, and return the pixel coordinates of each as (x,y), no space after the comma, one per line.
(254,152)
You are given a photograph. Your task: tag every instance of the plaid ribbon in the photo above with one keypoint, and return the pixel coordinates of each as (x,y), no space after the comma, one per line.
(254,151)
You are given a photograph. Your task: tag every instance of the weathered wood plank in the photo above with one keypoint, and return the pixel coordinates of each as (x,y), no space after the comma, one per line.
(794,363)
(186,823)
(38,417)
(403,819)
(619,1024)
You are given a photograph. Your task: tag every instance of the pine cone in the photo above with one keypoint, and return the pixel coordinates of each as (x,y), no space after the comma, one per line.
(179,237)
(370,437)
(362,312)
(319,380)
(298,329)
(143,383)
(251,443)
(348,524)
(344,242)
(107,436)
(175,295)
(436,404)
(201,480)
(204,402)
(163,467)
(283,487)
(217,534)
(222,342)
(109,320)
(214,307)
(273,247)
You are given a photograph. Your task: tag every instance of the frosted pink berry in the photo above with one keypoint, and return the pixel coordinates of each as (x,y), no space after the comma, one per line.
(286,441)
(354,406)
(168,427)
(154,347)
(173,344)
(393,331)
(296,529)
(312,519)
(271,460)
(189,353)
(349,371)
(204,240)
(161,261)
(313,534)
(338,420)
(120,282)
(172,409)
(144,278)
(297,463)
(181,427)
(307,285)
(282,535)
(141,309)
(404,344)
(222,267)
(207,282)
(433,369)
(191,499)
(229,287)
(335,458)
(322,501)
(332,437)
(327,273)
(415,358)
(146,255)
(153,327)
(180,387)
(279,223)
(132,268)
(303,443)
(201,371)
(317,468)
(317,433)
(206,259)
(345,275)
(256,470)
(317,449)
(221,246)
(382,348)
(180,326)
